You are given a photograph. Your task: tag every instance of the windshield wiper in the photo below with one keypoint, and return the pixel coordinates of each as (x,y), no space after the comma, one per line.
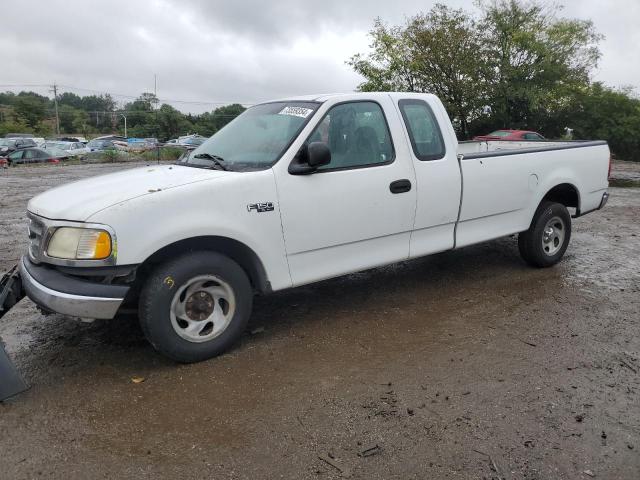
(216,159)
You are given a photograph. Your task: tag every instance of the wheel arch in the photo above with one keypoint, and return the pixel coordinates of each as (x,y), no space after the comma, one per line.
(565,193)
(234,249)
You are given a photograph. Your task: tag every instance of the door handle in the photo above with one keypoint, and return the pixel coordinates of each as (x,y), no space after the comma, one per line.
(400,186)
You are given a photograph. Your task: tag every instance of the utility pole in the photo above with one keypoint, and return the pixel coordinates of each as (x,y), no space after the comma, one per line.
(55,102)
(155,94)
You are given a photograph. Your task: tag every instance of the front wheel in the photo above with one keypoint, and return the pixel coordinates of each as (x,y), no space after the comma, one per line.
(195,306)
(544,244)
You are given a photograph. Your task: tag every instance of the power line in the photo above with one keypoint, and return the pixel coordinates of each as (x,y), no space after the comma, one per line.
(165,100)
(118,112)
(132,97)
(22,85)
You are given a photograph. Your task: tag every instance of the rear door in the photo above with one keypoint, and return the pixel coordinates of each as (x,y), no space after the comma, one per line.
(358,211)
(434,156)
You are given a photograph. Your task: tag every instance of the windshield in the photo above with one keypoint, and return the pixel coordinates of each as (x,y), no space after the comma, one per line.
(256,139)
(500,133)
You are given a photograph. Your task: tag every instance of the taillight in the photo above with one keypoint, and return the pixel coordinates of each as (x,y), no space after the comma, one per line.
(54,160)
(609,172)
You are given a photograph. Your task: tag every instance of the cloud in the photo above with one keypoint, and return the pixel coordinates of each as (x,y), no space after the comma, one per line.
(244,51)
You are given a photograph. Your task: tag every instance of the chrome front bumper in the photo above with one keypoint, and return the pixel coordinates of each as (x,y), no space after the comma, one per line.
(67,303)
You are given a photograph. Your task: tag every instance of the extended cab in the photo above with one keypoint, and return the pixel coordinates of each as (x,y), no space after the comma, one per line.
(293,192)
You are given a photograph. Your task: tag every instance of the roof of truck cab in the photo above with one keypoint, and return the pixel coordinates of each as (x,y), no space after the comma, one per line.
(323,97)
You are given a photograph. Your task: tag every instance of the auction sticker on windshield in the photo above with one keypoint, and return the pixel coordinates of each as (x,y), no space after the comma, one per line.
(296,111)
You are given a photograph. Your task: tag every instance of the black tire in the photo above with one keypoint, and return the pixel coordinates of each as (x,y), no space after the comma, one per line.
(530,242)
(160,289)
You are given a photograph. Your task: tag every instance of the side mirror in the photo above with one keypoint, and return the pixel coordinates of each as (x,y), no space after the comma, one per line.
(309,158)
(318,154)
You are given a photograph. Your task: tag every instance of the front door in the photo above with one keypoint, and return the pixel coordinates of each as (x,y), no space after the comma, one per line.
(358,211)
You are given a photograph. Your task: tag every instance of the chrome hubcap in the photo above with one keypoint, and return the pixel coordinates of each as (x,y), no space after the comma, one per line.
(553,235)
(202,308)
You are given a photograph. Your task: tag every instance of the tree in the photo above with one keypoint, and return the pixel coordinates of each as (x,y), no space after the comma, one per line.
(537,60)
(70,99)
(518,58)
(440,52)
(389,66)
(614,115)
(31,107)
(13,126)
(210,122)
(98,108)
(171,123)
(144,103)
(101,103)
(449,54)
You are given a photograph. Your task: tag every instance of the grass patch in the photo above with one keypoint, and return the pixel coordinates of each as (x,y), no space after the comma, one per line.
(624,183)
(165,154)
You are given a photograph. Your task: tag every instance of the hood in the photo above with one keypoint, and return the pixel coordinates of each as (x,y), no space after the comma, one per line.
(79,200)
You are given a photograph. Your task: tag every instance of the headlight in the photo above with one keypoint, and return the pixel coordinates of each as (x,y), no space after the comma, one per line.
(80,244)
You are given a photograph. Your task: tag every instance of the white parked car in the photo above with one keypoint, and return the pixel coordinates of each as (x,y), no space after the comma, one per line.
(72,148)
(289,193)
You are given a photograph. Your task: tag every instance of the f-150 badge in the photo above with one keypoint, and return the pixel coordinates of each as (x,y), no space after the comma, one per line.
(261,207)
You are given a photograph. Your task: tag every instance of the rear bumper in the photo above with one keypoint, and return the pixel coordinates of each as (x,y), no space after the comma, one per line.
(68,295)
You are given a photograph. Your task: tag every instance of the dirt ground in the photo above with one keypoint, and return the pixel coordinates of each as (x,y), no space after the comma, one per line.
(467,364)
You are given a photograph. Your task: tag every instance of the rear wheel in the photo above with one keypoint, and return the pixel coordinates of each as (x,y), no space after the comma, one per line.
(196,306)
(544,244)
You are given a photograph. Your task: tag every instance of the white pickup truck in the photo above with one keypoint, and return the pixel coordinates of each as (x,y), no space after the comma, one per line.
(293,192)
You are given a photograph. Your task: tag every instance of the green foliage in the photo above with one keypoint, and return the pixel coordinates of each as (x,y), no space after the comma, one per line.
(30,107)
(531,67)
(111,155)
(604,113)
(536,59)
(28,112)
(163,153)
(14,126)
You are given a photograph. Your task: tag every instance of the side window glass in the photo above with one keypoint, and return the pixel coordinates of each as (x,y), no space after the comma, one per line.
(424,131)
(29,154)
(357,135)
(16,155)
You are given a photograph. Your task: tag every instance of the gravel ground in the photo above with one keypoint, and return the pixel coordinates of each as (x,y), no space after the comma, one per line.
(466,364)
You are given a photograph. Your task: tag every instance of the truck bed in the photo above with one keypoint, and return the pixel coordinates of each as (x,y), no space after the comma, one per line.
(504,181)
(471,147)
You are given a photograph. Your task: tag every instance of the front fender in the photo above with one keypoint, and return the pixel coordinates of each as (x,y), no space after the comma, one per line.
(146,224)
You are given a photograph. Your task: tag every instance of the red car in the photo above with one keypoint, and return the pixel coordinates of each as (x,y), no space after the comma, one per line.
(511,135)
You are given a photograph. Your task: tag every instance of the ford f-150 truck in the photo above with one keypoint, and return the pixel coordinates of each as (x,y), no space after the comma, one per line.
(292,192)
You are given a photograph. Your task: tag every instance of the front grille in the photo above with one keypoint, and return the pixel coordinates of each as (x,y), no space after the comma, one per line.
(37,229)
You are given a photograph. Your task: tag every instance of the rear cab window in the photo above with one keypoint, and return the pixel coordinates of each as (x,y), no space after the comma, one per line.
(424,132)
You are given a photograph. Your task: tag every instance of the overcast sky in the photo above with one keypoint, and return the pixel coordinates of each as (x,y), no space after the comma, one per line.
(235,51)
